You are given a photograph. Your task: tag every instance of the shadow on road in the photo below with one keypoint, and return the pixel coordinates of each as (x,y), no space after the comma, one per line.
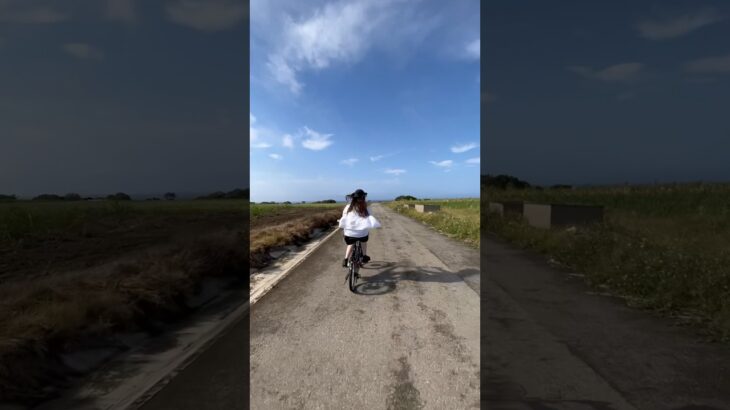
(389,274)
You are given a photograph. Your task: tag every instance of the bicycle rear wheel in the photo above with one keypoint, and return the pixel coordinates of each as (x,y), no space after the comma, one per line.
(354,265)
(353,276)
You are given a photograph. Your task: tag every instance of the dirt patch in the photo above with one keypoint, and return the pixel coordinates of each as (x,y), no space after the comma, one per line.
(266,234)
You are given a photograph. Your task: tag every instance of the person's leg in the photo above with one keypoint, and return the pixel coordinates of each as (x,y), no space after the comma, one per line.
(348,252)
(365,257)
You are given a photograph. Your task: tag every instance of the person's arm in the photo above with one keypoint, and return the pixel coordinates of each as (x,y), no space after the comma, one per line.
(373,222)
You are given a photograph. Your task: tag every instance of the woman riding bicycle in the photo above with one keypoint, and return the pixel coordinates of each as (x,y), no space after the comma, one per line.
(356,223)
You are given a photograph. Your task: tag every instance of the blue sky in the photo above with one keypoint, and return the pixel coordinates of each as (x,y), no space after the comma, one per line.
(607,92)
(372,94)
(102,96)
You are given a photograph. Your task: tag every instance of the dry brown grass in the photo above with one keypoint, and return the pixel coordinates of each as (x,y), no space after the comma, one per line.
(294,232)
(43,319)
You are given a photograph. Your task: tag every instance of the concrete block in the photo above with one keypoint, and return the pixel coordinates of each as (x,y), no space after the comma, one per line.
(427,208)
(506,208)
(551,215)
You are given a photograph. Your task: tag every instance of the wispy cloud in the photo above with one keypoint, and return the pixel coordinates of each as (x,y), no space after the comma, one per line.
(473,161)
(316,141)
(339,32)
(349,162)
(473,49)
(256,134)
(376,158)
(443,164)
(616,73)
(287,141)
(275,156)
(711,65)
(83,51)
(121,10)
(25,12)
(207,15)
(678,26)
(458,149)
(395,172)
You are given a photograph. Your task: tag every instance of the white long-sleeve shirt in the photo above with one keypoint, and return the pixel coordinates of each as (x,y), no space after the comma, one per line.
(356,226)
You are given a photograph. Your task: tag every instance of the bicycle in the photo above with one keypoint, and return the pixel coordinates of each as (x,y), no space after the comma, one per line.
(353,266)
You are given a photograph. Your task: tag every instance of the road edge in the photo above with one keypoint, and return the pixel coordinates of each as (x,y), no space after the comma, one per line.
(199,346)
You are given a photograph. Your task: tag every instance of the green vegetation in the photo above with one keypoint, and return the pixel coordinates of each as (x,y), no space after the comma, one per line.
(25,220)
(457,218)
(662,247)
(406,198)
(503,182)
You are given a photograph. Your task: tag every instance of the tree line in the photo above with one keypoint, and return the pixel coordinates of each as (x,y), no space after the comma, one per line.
(121,196)
(503,181)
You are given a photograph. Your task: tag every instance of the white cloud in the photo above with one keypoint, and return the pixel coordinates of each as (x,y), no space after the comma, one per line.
(458,149)
(287,141)
(283,73)
(207,15)
(615,73)
(473,161)
(377,158)
(443,164)
(395,172)
(252,118)
(711,65)
(338,32)
(275,156)
(678,26)
(316,141)
(349,162)
(473,49)
(305,36)
(121,10)
(83,51)
(24,12)
(261,145)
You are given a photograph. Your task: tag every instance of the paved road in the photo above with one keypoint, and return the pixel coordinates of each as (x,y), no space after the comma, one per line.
(549,343)
(408,340)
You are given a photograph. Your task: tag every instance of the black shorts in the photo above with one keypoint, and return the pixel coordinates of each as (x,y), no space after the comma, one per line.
(350,240)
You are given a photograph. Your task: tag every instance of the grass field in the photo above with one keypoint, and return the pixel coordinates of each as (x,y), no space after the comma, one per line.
(662,247)
(26,219)
(72,273)
(458,218)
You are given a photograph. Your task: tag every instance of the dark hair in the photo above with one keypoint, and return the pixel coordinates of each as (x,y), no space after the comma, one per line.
(359,205)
